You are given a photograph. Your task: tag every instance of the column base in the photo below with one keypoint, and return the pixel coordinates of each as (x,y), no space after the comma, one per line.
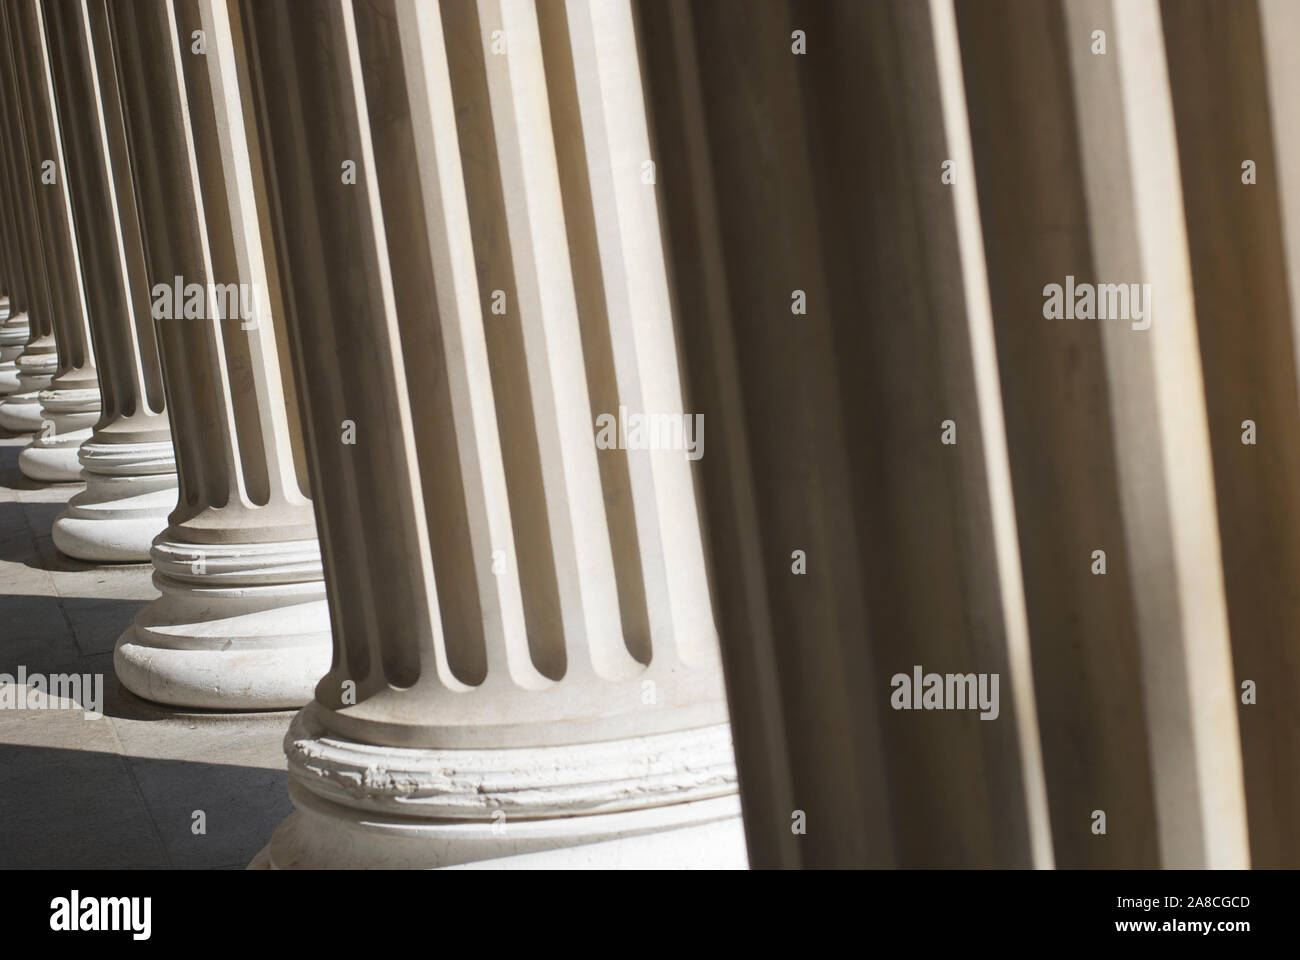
(703,835)
(238,627)
(21,412)
(54,459)
(118,515)
(8,374)
(9,382)
(666,801)
(14,333)
(70,414)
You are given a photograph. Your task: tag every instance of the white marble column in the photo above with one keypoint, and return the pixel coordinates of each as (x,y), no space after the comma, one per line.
(14,329)
(1112,427)
(833,318)
(70,404)
(127,462)
(1233,82)
(525,669)
(242,622)
(38,360)
(14,333)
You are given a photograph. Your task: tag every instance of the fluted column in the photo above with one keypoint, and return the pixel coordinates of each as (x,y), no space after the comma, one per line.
(14,330)
(525,666)
(1109,437)
(242,621)
(14,333)
(70,405)
(38,361)
(838,338)
(127,462)
(1233,85)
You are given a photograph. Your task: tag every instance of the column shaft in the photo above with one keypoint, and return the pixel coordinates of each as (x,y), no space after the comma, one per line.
(513,598)
(39,361)
(836,328)
(70,405)
(128,464)
(1233,86)
(1109,441)
(14,329)
(242,621)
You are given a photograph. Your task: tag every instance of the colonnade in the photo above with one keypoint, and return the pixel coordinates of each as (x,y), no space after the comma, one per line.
(523,664)
(340,309)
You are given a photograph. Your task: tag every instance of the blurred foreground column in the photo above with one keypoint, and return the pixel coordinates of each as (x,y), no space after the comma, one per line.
(526,668)
(1077,166)
(1235,83)
(242,621)
(830,283)
(129,469)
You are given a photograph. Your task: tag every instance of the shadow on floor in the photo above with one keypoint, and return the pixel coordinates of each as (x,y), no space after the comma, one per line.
(47,651)
(82,809)
(47,633)
(25,537)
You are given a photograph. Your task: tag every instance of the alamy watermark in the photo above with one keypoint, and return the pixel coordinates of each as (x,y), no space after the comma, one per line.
(39,691)
(1103,301)
(75,913)
(212,301)
(651,431)
(946,691)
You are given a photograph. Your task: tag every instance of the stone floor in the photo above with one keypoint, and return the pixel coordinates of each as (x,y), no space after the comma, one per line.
(120,790)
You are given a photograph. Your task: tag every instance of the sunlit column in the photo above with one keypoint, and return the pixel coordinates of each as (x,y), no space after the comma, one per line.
(38,360)
(1105,388)
(127,462)
(242,621)
(70,404)
(14,329)
(525,666)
